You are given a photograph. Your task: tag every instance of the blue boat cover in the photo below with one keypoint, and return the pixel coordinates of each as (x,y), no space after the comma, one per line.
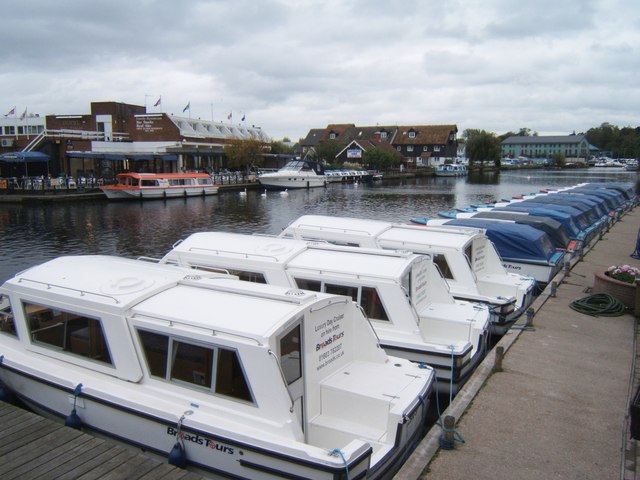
(578,215)
(557,231)
(513,240)
(573,229)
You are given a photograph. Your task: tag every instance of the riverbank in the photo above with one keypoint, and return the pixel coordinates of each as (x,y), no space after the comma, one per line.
(558,408)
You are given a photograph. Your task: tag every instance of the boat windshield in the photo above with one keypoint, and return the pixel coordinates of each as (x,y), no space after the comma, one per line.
(297,165)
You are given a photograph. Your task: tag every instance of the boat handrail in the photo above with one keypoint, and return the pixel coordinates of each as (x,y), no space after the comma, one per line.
(148,259)
(82,292)
(284,379)
(446,282)
(475,277)
(321,228)
(241,254)
(294,296)
(370,324)
(172,322)
(413,307)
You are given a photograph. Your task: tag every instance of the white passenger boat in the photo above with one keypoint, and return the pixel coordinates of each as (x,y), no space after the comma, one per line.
(451,170)
(236,379)
(466,258)
(295,174)
(133,185)
(402,293)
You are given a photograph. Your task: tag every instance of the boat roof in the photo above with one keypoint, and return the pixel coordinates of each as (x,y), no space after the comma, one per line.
(164,175)
(206,300)
(556,230)
(295,253)
(386,231)
(512,240)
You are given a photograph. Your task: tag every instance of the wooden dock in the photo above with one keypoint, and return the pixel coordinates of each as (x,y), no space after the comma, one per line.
(32,447)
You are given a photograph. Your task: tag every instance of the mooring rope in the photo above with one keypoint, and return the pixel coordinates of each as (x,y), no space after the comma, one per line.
(335,453)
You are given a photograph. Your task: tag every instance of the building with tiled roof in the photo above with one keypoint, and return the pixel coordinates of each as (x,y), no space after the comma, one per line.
(418,145)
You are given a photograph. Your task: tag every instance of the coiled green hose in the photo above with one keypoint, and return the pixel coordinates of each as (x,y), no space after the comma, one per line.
(599,305)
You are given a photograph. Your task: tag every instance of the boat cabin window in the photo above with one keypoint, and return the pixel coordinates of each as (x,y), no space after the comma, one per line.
(148,183)
(198,365)
(204,181)
(367,297)
(313,285)
(254,277)
(346,290)
(7,324)
(290,355)
(441,262)
(66,331)
(372,304)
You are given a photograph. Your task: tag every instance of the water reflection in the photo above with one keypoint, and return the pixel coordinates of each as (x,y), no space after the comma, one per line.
(33,234)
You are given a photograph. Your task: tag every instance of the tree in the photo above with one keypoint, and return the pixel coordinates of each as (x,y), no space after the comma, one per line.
(381,159)
(327,151)
(244,153)
(558,160)
(280,147)
(483,147)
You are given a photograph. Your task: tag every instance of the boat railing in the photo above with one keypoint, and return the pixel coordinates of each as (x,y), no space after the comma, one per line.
(82,292)
(284,379)
(413,307)
(370,324)
(246,255)
(321,228)
(295,296)
(212,331)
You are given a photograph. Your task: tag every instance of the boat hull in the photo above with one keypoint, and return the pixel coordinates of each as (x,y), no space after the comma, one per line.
(146,193)
(291,182)
(144,428)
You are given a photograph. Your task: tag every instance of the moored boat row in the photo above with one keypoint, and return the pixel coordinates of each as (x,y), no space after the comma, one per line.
(321,367)
(536,233)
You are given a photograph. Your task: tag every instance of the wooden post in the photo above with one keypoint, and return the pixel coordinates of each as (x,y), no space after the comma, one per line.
(497,365)
(448,436)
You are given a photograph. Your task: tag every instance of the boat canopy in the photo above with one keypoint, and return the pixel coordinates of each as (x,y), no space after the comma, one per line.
(556,231)
(512,240)
(24,157)
(172,157)
(569,222)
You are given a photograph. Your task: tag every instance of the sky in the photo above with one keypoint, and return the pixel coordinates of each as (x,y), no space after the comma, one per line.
(552,66)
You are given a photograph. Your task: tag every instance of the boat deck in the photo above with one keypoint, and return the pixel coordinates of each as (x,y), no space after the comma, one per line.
(34,447)
(559,406)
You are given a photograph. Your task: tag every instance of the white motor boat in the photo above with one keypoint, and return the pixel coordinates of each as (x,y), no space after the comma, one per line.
(295,174)
(235,379)
(466,258)
(402,294)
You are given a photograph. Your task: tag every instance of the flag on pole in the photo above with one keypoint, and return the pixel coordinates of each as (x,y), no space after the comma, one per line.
(11,112)
(243,117)
(230,115)
(158,102)
(24,114)
(188,107)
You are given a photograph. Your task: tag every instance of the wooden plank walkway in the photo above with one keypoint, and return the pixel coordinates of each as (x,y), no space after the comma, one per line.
(33,447)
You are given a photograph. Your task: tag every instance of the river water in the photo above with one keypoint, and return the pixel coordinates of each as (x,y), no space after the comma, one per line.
(33,234)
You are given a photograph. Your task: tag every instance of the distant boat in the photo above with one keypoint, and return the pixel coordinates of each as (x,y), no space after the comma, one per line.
(132,186)
(295,174)
(451,170)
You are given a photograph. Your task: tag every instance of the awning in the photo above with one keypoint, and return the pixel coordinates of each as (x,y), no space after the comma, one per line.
(170,157)
(24,157)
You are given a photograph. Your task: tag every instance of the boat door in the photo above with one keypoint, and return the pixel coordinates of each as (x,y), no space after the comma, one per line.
(290,345)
